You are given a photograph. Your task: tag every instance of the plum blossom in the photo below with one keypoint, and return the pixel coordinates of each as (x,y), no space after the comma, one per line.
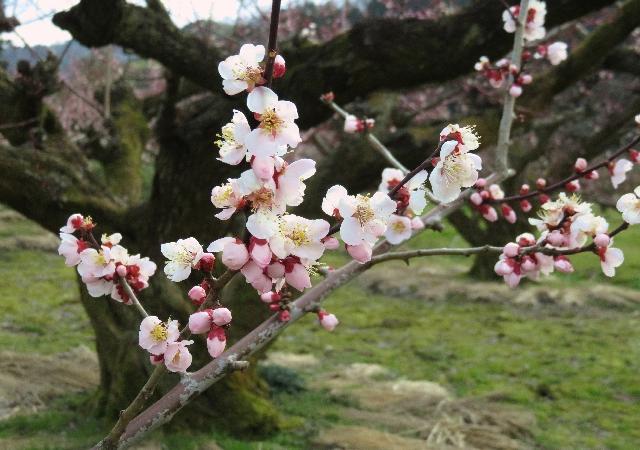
(231,139)
(277,127)
(557,52)
(227,197)
(182,256)
(412,194)
(332,199)
(629,206)
(618,171)
(465,136)
(610,259)
(70,247)
(289,179)
(584,226)
(77,222)
(299,237)
(534,24)
(242,71)
(399,229)
(328,321)
(155,335)
(177,357)
(455,169)
(364,218)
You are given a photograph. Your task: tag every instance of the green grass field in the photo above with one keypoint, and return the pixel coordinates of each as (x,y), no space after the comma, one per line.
(575,368)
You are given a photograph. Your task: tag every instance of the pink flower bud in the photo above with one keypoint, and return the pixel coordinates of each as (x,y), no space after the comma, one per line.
(216,342)
(328,321)
(512,279)
(572,186)
(361,253)
(275,270)
(602,240)
(508,213)
(541,183)
(562,264)
(515,91)
(503,268)
(511,250)
(476,199)
(524,189)
(417,223)
(221,316)
(206,262)
(489,213)
(263,167)
(284,316)
(525,206)
(270,297)
(556,239)
(260,252)
(526,78)
(528,264)
(121,270)
(481,182)
(580,165)
(156,360)
(593,175)
(197,294)
(634,155)
(200,322)
(235,255)
(330,243)
(279,67)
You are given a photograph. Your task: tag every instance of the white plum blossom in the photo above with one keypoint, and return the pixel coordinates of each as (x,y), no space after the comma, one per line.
(177,357)
(557,52)
(227,197)
(182,256)
(364,218)
(155,335)
(629,206)
(231,139)
(70,247)
(96,263)
(242,71)
(290,177)
(618,171)
(465,136)
(584,226)
(414,188)
(399,229)
(277,127)
(332,199)
(299,237)
(534,22)
(610,259)
(455,170)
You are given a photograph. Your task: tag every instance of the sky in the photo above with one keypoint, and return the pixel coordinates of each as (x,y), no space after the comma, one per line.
(37,28)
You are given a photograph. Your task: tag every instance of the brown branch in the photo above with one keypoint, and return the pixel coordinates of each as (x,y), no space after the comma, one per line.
(560,184)
(272,46)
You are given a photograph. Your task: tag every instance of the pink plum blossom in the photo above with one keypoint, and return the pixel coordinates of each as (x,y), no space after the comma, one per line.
(299,237)
(154,335)
(242,71)
(557,52)
(70,247)
(364,218)
(182,256)
(177,357)
(328,321)
(455,169)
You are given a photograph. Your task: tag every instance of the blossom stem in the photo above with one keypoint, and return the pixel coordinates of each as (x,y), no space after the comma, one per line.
(552,187)
(373,140)
(506,121)
(132,296)
(272,50)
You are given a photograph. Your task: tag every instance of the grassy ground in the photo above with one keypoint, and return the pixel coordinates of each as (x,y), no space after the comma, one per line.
(575,368)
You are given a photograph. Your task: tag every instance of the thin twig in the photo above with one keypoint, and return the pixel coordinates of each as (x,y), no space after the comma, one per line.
(559,184)
(406,255)
(132,296)
(272,46)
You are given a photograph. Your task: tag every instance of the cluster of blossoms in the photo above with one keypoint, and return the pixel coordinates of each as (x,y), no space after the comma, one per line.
(244,71)
(162,341)
(486,196)
(503,70)
(353,124)
(567,226)
(102,266)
